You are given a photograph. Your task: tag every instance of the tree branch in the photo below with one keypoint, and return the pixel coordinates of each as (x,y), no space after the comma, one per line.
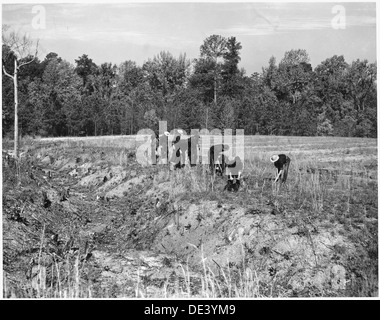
(34,57)
(6,73)
(24,64)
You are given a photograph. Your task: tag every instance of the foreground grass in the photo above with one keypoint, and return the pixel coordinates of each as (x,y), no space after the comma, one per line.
(66,280)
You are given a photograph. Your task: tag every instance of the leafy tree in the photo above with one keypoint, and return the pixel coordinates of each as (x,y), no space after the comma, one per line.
(269,73)
(293,76)
(295,58)
(36,105)
(151,120)
(348,94)
(187,110)
(202,79)
(56,98)
(93,107)
(105,80)
(50,56)
(324,127)
(61,96)
(361,78)
(331,87)
(231,75)
(166,73)
(129,75)
(85,67)
(214,47)
(225,113)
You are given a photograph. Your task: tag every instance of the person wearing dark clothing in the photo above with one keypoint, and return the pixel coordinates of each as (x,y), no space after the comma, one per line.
(281,162)
(162,150)
(181,146)
(234,169)
(176,139)
(177,152)
(217,158)
(154,146)
(193,149)
(177,155)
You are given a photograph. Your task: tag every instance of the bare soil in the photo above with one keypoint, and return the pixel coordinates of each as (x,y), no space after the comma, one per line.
(140,231)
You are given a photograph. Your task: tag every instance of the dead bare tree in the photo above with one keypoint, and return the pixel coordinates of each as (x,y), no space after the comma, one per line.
(20,46)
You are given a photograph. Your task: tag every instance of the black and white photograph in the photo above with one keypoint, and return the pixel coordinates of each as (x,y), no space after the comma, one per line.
(189,151)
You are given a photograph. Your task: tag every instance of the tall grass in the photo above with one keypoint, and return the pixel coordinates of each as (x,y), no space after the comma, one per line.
(65,280)
(61,280)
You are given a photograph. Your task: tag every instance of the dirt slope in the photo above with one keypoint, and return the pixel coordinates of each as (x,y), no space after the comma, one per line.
(134,231)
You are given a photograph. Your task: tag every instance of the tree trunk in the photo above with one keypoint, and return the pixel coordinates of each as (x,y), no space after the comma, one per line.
(131,128)
(206,116)
(16,111)
(215,90)
(132,120)
(215,78)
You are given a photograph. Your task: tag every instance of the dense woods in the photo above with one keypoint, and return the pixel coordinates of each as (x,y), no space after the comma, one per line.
(288,97)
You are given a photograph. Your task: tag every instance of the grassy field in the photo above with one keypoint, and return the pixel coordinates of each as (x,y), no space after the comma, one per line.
(315,236)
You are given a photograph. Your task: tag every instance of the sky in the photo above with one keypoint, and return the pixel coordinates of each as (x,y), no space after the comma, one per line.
(116,32)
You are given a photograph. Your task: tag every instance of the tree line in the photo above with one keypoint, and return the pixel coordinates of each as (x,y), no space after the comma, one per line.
(57,98)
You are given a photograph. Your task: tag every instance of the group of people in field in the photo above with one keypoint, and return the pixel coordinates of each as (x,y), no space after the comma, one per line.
(219,162)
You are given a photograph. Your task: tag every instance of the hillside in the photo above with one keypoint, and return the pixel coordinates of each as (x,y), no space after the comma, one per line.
(83,219)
